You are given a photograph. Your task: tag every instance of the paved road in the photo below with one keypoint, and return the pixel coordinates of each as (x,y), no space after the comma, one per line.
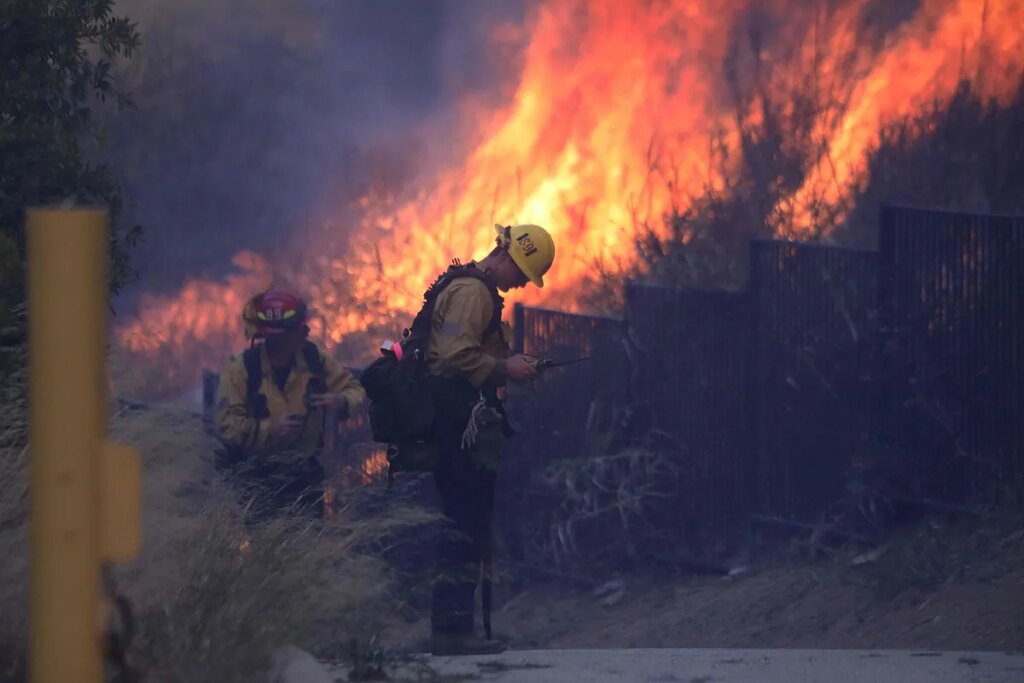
(729,666)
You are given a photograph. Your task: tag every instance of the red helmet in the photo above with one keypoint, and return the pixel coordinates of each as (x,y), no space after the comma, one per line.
(276,311)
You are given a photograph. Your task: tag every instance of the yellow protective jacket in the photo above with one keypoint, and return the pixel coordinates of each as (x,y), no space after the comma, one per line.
(460,345)
(239,429)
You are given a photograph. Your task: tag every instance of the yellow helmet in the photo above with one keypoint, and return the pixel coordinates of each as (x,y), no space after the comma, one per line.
(531,247)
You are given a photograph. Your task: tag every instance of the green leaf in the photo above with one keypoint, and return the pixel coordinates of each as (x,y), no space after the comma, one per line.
(60,70)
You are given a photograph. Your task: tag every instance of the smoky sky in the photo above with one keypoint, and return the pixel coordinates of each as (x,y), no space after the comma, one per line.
(253,117)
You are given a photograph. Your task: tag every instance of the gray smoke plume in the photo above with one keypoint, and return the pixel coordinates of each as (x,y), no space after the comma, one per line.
(254,118)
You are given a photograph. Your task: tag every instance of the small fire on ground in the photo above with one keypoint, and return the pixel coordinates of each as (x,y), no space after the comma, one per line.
(369,470)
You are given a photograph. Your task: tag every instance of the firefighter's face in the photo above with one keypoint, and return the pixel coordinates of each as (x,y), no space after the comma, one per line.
(286,343)
(508,276)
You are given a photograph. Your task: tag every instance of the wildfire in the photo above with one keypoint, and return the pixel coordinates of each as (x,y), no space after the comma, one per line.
(926,60)
(621,114)
(365,468)
(374,467)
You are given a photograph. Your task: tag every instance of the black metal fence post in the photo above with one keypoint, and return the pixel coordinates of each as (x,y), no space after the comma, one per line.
(519,328)
(751,402)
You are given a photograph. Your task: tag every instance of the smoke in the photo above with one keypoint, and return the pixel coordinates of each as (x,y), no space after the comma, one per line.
(254,119)
(359,146)
(259,122)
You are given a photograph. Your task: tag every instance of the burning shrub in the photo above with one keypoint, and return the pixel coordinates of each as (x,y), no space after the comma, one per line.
(964,156)
(957,151)
(744,118)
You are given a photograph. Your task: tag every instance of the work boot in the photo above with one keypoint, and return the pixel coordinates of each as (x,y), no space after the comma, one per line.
(448,644)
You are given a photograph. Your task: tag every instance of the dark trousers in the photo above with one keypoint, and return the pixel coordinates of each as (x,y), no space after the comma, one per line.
(467,502)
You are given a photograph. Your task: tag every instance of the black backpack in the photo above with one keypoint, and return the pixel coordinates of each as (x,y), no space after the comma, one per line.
(402,394)
(256,403)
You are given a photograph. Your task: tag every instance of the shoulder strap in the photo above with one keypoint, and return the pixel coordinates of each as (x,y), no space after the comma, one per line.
(455,272)
(470,270)
(315,363)
(314,360)
(317,383)
(420,327)
(256,402)
(418,334)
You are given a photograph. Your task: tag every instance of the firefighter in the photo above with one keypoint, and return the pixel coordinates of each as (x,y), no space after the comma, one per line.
(271,406)
(468,360)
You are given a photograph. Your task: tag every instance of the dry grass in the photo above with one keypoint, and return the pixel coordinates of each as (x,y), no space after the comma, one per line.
(941,549)
(211,613)
(13,511)
(610,510)
(204,610)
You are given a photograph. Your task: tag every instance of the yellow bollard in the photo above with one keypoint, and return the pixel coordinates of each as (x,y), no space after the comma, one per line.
(72,469)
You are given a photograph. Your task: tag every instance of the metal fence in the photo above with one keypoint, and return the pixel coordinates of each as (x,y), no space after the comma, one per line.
(834,371)
(953,315)
(562,413)
(811,386)
(780,399)
(568,413)
(688,369)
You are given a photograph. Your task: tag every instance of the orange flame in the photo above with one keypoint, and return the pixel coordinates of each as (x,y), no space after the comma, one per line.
(329,496)
(926,60)
(374,467)
(620,116)
(365,469)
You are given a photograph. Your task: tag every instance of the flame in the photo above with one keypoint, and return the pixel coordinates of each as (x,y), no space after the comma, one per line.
(196,329)
(364,469)
(927,60)
(374,466)
(329,497)
(620,115)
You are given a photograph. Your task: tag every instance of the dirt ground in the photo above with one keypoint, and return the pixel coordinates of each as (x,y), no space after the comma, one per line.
(775,609)
(809,606)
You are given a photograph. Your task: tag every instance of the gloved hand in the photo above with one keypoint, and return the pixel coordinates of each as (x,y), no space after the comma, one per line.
(284,426)
(336,401)
(521,368)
